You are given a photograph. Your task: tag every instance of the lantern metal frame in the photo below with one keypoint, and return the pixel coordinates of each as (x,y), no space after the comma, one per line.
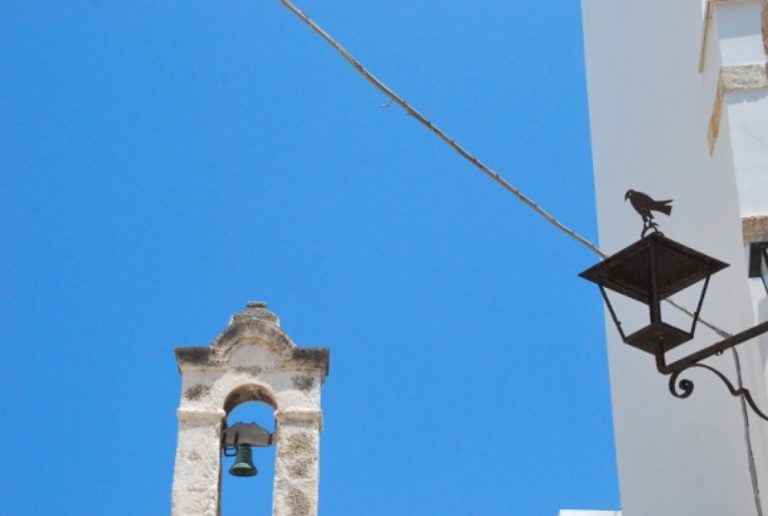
(651,270)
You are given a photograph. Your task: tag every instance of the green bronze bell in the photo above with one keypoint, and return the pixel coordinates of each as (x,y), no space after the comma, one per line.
(243,466)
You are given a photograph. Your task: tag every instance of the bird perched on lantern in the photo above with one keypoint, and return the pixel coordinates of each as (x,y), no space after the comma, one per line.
(645,205)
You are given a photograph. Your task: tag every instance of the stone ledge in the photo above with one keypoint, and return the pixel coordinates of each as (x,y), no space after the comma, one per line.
(734,79)
(190,414)
(299,415)
(301,358)
(744,77)
(754,228)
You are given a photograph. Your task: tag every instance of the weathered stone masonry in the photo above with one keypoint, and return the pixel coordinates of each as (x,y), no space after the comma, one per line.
(251,360)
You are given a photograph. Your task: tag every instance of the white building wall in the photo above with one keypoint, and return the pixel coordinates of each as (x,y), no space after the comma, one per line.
(747,116)
(738,25)
(661,126)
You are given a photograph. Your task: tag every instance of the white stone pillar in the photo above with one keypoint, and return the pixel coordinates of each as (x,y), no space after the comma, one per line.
(297,462)
(198,458)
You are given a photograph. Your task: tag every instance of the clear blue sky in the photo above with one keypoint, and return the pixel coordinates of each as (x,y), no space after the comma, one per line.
(164,162)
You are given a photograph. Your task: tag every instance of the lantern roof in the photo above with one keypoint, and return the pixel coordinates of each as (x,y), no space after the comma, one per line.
(632,270)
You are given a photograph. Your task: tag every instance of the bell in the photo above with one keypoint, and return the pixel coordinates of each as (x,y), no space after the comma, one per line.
(243,466)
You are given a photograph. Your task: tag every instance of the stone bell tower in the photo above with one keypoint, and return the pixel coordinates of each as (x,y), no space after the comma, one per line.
(251,360)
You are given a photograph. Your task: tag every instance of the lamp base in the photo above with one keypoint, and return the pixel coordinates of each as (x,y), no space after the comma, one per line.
(658,334)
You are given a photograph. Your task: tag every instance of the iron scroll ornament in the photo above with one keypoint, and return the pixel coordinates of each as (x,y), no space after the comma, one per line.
(685,387)
(650,271)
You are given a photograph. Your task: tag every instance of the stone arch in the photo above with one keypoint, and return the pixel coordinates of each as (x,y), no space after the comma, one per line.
(250,391)
(249,401)
(254,333)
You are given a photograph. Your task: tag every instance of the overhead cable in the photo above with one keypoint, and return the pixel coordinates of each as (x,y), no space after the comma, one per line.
(378,84)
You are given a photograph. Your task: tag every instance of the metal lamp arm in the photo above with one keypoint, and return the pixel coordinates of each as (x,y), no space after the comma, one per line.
(707,352)
(684,387)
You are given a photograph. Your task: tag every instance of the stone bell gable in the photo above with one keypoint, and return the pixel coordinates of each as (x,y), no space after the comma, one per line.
(253,359)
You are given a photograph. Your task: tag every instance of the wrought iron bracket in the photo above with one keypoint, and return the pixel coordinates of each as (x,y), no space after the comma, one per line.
(684,387)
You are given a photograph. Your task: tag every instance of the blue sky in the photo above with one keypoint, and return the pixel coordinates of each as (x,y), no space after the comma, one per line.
(164,162)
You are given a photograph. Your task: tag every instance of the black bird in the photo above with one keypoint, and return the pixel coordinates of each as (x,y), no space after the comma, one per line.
(644,205)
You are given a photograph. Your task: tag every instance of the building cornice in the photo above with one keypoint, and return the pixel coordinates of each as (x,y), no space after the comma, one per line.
(744,77)
(754,228)
(734,79)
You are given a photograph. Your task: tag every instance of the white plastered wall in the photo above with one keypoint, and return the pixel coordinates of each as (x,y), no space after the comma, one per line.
(650,114)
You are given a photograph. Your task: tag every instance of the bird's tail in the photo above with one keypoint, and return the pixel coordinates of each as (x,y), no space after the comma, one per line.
(665,207)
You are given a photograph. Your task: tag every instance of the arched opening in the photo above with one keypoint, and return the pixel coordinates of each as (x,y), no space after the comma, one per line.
(249,495)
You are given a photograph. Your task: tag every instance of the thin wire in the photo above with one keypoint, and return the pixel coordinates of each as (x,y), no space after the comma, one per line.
(440,133)
(748,437)
(465,153)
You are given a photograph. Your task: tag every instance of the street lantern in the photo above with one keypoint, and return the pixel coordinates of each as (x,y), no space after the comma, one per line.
(651,270)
